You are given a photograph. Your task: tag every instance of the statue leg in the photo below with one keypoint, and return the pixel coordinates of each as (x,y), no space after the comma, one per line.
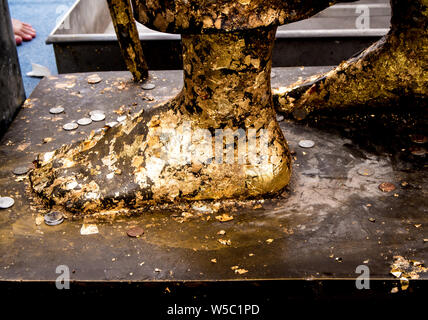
(392,68)
(129,41)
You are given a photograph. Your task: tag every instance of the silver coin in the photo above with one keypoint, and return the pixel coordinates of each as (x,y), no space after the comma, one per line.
(306,143)
(6,202)
(148,86)
(20,170)
(54,218)
(96,111)
(365,172)
(94,78)
(112,124)
(279,118)
(121,118)
(84,121)
(417,151)
(70,126)
(56,110)
(98,116)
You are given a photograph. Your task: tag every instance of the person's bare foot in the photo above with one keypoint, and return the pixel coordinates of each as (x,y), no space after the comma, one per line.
(22,31)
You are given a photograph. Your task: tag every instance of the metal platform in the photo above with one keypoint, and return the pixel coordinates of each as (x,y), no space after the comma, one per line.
(85,40)
(330,220)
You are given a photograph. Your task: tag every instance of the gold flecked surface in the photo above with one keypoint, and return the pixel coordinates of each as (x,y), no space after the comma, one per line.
(202,16)
(129,41)
(391,69)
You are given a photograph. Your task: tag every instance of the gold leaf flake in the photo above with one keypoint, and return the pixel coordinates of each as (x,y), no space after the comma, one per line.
(224,217)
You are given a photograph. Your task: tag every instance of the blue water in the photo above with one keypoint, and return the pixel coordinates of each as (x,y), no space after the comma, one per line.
(43,16)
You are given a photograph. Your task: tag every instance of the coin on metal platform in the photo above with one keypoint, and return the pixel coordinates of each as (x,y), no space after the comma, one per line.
(20,170)
(279,118)
(54,218)
(387,187)
(84,121)
(6,202)
(418,151)
(98,116)
(94,78)
(56,110)
(419,138)
(148,86)
(306,143)
(365,172)
(96,111)
(135,232)
(70,126)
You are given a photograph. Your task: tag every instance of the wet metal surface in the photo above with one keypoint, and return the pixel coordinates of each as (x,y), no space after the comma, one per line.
(328,221)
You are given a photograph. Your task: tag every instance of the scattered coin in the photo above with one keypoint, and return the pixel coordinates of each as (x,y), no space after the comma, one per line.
(112,124)
(419,138)
(372,219)
(56,110)
(418,151)
(6,202)
(54,218)
(20,170)
(306,143)
(70,126)
(279,118)
(387,187)
(299,114)
(148,86)
(96,111)
(98,116)
(135,232)
(94,78)
(84,121)
(121,118)
(365,172)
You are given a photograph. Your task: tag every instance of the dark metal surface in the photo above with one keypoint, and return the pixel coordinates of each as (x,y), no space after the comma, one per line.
(318,229)
(12,93)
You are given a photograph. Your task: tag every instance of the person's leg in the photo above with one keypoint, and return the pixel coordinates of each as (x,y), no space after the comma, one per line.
(22,31)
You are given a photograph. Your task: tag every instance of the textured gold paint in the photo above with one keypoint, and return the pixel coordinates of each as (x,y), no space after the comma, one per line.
(227,88)
(129,41)
(392,68)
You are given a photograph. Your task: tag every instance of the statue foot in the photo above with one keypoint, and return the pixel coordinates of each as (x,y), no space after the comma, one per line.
(217,139)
